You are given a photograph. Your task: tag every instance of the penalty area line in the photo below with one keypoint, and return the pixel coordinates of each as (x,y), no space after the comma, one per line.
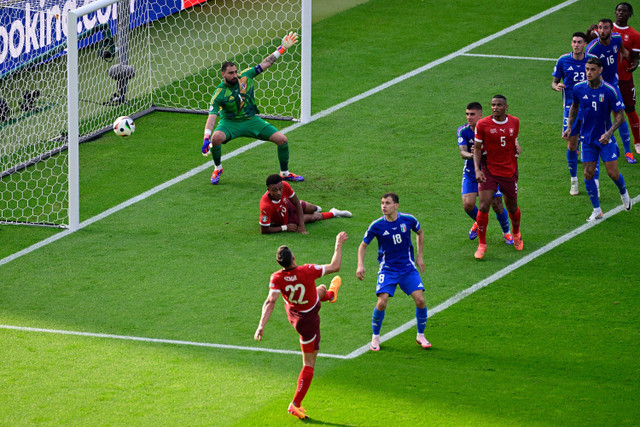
(365,348)
(494,277)
(159,340)
(324,113)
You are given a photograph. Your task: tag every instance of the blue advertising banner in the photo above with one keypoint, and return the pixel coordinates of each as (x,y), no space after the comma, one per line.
(35,34)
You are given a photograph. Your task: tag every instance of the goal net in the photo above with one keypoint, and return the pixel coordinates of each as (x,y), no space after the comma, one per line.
(133,57)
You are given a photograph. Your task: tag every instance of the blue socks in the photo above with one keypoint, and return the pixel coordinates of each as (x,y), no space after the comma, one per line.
(572,161)
(592,190)
(376,321)
(620,184)
(473,213)
(503,219)
(626,137)
(421,317)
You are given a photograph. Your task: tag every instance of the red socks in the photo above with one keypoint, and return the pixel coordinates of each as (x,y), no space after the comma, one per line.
(482,219)
(304,381)
(515,222)
(327,296)
(326,215)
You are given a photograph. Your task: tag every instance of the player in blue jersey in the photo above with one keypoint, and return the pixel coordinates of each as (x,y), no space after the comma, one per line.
(397,264)
(596,100)
(568,71)
(465,136)
(607,47)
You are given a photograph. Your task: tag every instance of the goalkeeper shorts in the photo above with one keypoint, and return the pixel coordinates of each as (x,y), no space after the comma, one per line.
(252,127)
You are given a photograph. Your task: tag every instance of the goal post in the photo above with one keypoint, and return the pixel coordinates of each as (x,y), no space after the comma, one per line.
(67,72)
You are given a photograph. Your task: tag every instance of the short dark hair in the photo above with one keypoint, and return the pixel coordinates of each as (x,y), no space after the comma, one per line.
(594,60)
(624,3)
(391,195)
(580,34)
(284,256)
(474,106)
(273,179)
(500,97)
(607,21)
(226,65)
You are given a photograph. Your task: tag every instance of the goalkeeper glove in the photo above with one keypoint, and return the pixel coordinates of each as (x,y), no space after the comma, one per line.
(288,41)
(205,146)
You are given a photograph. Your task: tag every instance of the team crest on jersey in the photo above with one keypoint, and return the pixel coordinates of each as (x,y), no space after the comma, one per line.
(511,131)
(403,228)
(615,49)
(493,130)
(601,97)
(243,86)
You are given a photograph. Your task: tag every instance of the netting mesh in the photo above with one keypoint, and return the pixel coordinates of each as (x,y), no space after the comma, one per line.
(168,55)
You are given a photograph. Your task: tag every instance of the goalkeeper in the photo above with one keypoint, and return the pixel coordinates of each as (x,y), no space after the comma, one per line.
(233,100)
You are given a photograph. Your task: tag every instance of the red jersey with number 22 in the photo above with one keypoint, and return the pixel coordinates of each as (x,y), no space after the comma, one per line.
(298,286)
(499,144)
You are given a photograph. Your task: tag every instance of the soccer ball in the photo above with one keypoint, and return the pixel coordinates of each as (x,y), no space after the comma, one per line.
(124,126)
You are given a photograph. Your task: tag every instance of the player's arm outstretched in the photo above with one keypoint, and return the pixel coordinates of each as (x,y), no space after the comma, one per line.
(267,309)
(336,261)
(287,41)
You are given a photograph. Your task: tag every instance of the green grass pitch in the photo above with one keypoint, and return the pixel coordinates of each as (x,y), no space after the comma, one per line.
(554,342)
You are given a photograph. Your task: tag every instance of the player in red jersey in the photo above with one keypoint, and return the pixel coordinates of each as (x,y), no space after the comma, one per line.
(302,302)
(495,158)
(281,210)
(631,41)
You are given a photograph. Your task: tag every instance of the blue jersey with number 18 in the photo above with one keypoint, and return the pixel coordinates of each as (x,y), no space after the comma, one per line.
(395,250)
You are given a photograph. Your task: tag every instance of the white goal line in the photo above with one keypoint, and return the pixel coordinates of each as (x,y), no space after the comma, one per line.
(313,118)
(256,143)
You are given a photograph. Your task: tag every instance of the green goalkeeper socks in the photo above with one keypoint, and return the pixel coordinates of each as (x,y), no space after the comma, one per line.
(216,153)
(283,156)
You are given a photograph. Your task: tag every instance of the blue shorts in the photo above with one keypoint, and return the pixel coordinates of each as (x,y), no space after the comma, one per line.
(607,152)
(409,282)
(470,185)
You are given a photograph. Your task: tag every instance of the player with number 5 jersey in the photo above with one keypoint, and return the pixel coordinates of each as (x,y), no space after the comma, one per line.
(495,157)
(397,264)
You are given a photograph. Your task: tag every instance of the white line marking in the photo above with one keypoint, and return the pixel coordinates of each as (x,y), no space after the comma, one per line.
(365,348)
(256,143)
(496,276)
(530,58)
(313,118)
(159,341)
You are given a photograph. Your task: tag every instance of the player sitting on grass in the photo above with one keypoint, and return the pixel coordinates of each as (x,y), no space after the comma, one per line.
(281,210)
